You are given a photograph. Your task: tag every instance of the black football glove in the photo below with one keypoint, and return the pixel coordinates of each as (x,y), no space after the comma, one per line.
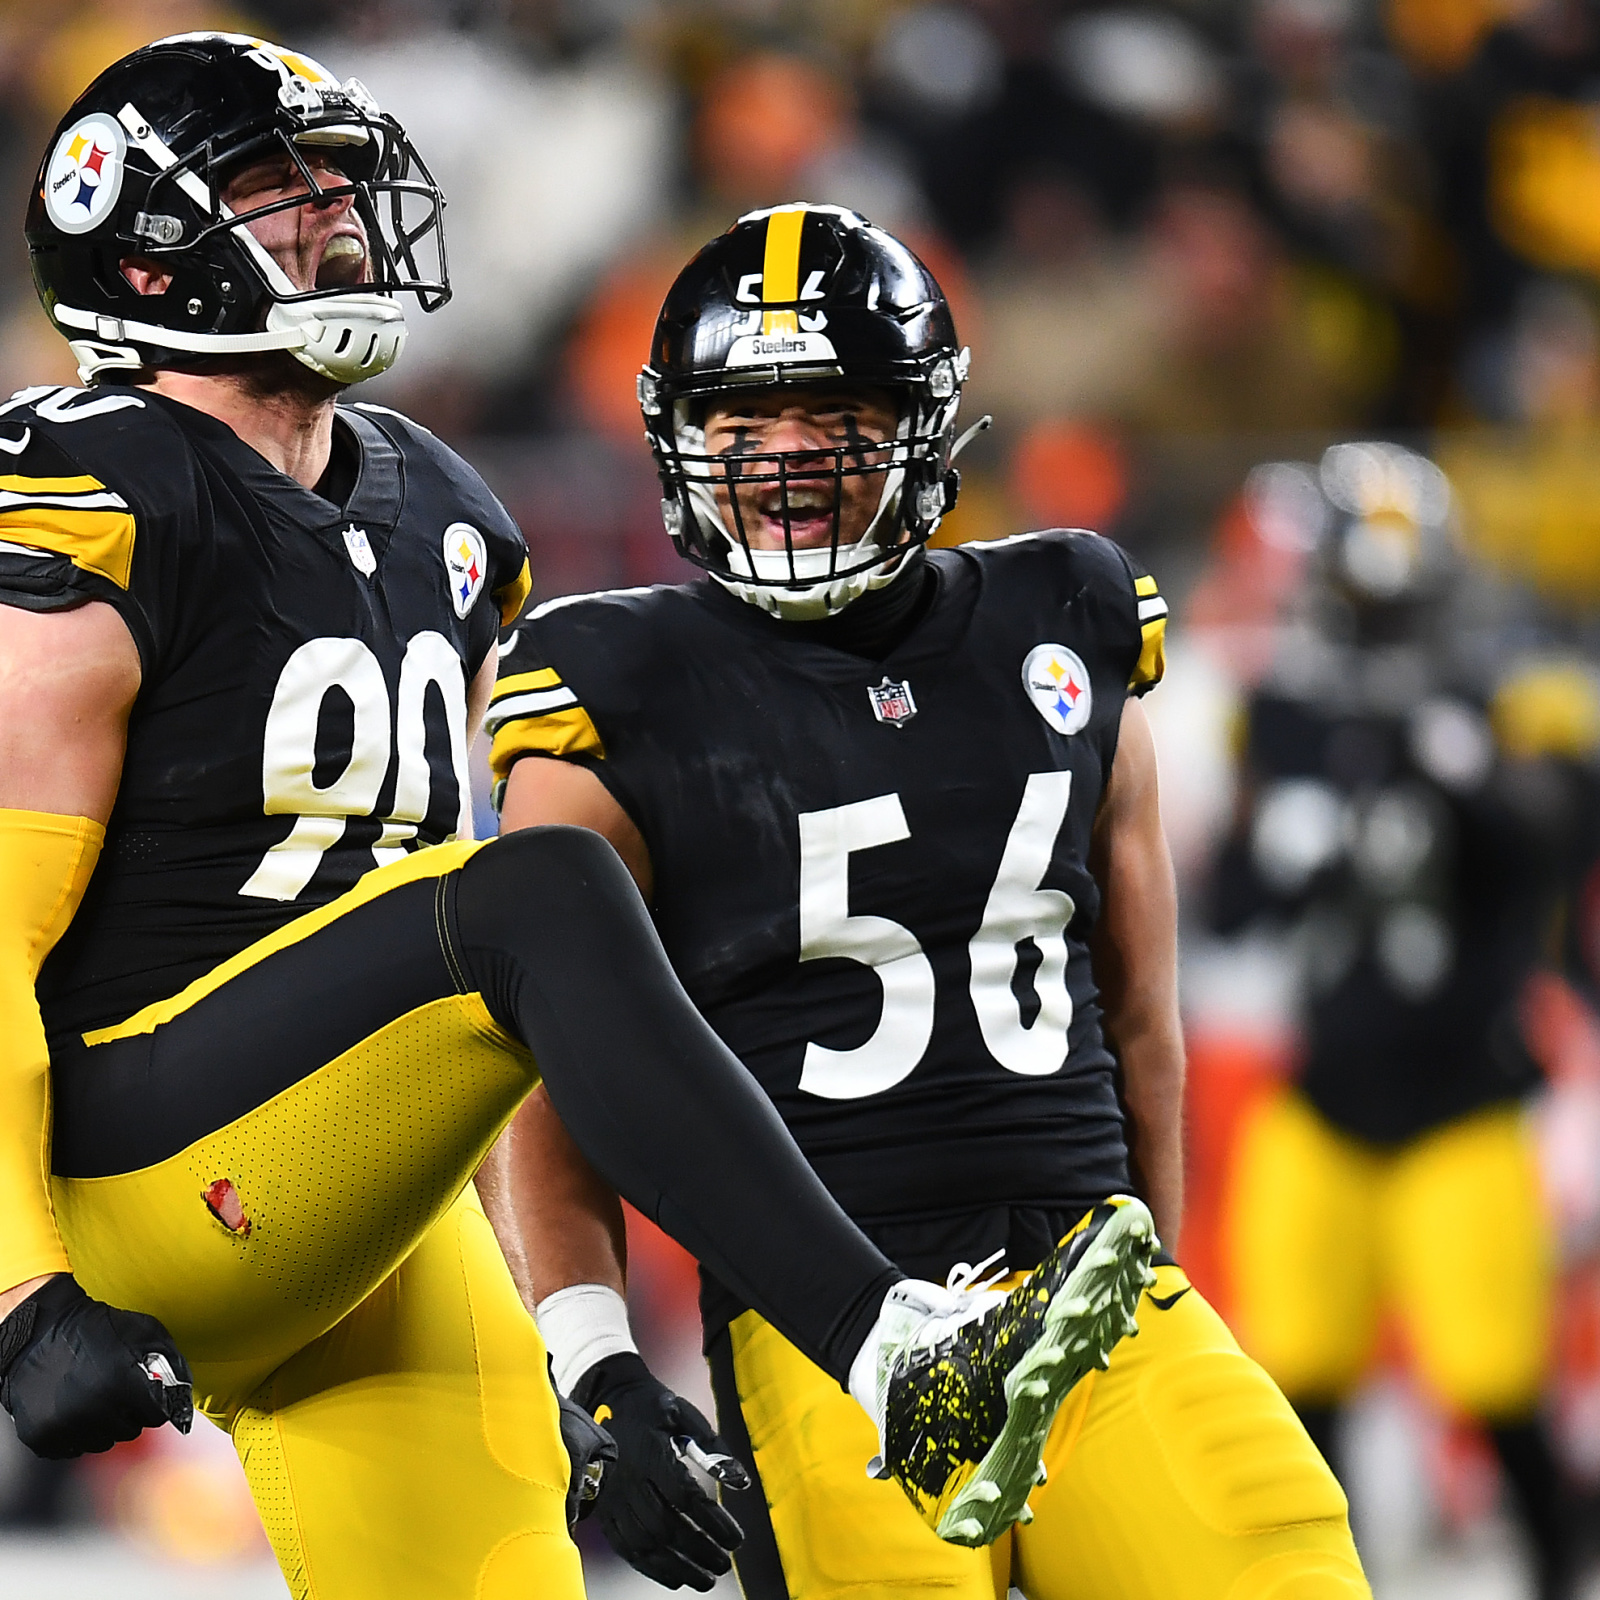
(592,1452)
(78,1375)
(654,1513)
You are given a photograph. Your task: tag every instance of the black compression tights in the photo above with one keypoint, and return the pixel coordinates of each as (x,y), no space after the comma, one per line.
(550,929)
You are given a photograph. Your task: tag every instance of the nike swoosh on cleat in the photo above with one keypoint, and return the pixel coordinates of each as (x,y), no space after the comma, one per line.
(15,447)
(1167,1302)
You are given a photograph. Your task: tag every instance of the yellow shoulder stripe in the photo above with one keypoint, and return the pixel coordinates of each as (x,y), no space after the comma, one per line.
(514,595)
(568,732)
(96,541)
(12,483)
(780,269)
(1152,662)
(1145,585)
(514,683)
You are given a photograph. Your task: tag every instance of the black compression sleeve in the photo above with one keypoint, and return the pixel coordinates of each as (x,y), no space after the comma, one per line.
(552,932)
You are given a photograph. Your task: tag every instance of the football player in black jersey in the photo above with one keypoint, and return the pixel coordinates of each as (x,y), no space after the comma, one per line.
(245,635)
(896,813)
(1411,825)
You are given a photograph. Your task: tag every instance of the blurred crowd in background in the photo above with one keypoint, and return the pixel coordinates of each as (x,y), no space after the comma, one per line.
(1183,238)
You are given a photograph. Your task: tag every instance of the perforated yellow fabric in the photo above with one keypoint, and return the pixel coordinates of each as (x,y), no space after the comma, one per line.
(1180,1470)
(338,1177)
(255,1438)
(369,1458)
(325,1266)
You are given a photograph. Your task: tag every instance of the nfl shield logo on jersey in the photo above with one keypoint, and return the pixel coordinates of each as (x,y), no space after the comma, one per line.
(892,702)
(466,560)
(1058,685)
(360,548)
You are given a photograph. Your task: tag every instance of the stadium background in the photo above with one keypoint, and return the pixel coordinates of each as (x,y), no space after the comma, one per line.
(1182,239)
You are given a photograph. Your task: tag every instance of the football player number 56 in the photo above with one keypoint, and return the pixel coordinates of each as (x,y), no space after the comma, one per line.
(1017,911)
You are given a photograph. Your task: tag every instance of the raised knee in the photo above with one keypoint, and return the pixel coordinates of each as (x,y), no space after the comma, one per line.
(553,859)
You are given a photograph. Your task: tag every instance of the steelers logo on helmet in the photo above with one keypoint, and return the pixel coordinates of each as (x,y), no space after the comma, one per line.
(466,560)
(1057,682)
(84,174)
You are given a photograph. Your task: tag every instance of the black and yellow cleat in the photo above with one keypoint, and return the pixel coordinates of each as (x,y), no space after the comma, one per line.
(967,1408)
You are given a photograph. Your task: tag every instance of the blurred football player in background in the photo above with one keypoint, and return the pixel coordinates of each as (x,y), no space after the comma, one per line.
(245,637)
(896,812)
(1413,808)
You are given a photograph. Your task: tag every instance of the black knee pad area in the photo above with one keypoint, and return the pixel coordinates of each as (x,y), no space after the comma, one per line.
(553,902)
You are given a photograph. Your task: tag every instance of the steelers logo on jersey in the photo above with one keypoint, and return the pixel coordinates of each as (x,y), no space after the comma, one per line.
(1057,682)
(84,174)
(466,561)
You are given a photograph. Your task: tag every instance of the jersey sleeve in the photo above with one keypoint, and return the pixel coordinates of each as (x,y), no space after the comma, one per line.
(73,526)
(1150,617)
(534,713)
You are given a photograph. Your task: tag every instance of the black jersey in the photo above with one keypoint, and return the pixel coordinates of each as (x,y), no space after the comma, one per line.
(301,714)
(872,877)
(1418,872)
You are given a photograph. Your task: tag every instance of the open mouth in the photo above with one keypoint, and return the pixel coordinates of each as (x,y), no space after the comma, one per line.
(343,264)
(811,512)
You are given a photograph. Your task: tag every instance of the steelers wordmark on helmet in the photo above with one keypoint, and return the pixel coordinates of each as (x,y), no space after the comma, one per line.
(84,174)
(1057,682)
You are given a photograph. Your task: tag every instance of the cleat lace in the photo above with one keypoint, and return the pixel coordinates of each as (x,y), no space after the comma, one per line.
(963,1276)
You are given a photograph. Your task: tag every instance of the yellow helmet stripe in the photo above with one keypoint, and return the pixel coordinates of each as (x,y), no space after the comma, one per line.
(780,268)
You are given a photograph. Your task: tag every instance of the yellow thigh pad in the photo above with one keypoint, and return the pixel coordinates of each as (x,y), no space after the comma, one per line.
(1187,1474)
(1302,1218)
(1469,1259)
(413,1452)
(1180,1471)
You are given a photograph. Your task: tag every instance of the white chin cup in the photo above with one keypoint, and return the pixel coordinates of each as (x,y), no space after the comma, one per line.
(346,337)
(802,601)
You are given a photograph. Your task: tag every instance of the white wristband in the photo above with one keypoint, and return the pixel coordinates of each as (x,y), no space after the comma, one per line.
(580,1326)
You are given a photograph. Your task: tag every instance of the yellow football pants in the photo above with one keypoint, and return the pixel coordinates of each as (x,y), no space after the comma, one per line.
(1178,1472)
(1449,1230)
(348,1316)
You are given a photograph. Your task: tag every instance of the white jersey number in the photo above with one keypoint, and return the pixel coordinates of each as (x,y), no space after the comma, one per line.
(1017,911)
(827,929)
(289,753)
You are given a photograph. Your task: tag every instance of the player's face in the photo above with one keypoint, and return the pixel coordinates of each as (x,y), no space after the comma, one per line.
(798,422)
(320,245)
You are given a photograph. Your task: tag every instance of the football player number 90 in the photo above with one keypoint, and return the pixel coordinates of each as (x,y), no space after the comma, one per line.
(381,730)
(1017,911)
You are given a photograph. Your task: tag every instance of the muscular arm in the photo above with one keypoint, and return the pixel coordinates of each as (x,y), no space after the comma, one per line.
(557,1221)
(67,685)
(1135,966)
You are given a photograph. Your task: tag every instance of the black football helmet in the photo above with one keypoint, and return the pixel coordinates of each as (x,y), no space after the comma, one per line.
(800,295)
(1388,540)
(137,167)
